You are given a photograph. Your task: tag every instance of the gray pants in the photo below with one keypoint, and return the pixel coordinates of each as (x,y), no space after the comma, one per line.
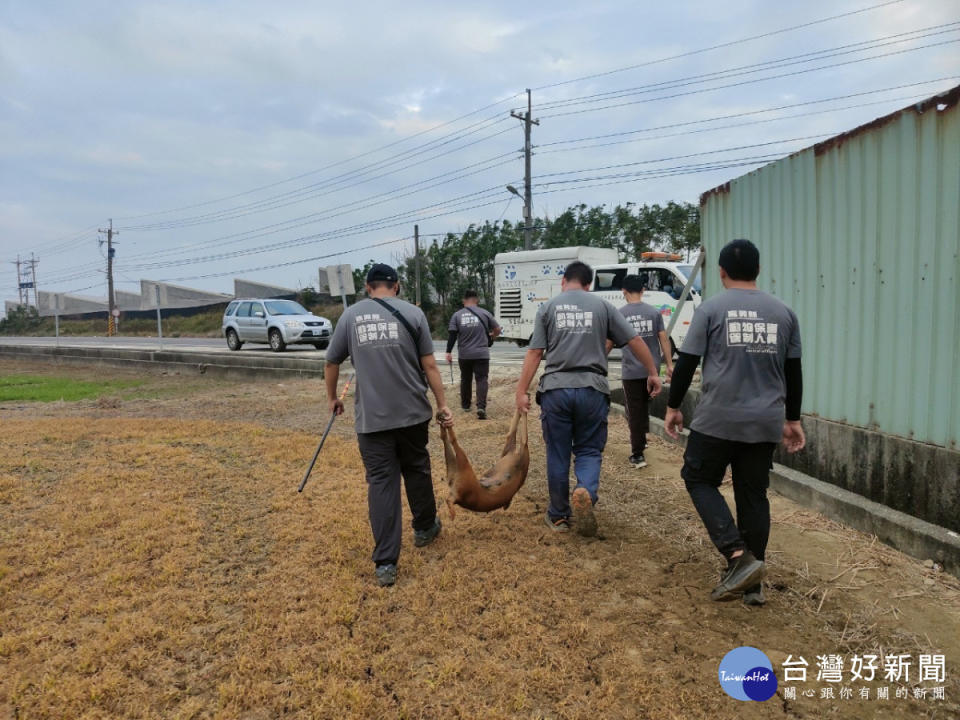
(386,456)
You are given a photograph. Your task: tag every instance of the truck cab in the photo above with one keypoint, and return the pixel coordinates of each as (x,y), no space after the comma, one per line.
(664,276)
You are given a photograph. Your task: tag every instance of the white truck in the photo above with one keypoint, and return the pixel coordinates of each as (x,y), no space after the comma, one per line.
(527,279)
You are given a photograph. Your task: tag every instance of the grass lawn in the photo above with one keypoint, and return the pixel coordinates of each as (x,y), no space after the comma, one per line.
(40,388)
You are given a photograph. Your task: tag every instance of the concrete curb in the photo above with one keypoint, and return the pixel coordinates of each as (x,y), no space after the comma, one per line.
(910,535)
(187,362)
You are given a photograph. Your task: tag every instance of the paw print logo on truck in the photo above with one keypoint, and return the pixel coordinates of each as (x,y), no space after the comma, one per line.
(510,271)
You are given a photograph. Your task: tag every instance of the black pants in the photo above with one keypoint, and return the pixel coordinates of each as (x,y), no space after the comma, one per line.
(637,405)
(704,464)
(468,370)
(386,456)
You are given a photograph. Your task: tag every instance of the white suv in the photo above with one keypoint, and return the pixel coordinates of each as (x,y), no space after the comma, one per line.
(277,322)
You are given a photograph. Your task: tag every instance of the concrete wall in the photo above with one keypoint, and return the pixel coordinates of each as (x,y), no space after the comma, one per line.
(920,479)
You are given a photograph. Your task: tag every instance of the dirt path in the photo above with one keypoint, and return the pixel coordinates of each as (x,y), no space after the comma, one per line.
(155,560)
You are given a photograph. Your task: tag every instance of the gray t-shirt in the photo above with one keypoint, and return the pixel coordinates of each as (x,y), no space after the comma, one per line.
(573,329)
(744,338)
(648,322)
(391,391)
(473,332)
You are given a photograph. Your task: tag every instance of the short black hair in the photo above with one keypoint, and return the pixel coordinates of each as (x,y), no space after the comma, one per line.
(470,294)
(377,284)
(740,259)
(579,272)
(634,284)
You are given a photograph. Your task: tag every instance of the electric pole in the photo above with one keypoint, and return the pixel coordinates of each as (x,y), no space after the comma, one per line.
(416,256)
(33,271)
(528,122)
(111,304)
(27,280)
(19,282)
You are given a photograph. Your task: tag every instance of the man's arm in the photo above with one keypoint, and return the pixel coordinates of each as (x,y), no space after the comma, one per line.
(430,369)
(609,346)
(530,364)
(679,384)
(793,436)
(331,375)
(640,350)
(666,351)
(451,341)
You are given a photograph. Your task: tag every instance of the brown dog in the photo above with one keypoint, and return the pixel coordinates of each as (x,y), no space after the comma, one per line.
(499,484)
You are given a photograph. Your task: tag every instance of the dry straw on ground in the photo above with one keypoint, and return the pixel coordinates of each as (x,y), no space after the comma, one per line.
(159,567)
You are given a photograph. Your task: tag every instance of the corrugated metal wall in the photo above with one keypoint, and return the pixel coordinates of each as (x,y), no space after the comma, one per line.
(860,234)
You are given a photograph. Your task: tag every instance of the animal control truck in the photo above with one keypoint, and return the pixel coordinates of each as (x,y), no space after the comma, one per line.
(527,279)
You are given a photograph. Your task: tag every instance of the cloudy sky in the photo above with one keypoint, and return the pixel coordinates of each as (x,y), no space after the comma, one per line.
(227,137)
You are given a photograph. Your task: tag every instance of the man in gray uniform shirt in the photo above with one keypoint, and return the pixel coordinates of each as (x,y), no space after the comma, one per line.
(648,322)
(474,328)
(752,392)
(574,393)
(389,344)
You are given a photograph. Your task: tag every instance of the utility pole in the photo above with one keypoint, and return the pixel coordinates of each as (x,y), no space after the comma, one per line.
(111,303)
(416,256)
(528,122)
(20,287)
(33,269)
(27,280)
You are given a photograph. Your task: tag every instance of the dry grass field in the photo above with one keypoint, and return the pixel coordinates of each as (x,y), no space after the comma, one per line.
(157,562)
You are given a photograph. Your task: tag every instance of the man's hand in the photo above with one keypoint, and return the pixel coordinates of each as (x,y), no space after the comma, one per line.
(336,406)
(654,385)
(669,373)
(673,422)
(449,358)
(793,437)
(523,402)
(445,417)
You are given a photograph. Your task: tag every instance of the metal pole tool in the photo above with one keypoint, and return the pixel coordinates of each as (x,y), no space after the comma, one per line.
(333,416)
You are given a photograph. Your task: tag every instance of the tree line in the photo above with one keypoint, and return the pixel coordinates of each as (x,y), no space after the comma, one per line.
(459,261)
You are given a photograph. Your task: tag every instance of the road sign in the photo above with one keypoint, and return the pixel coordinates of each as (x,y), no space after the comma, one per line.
(115,312)
(340,280)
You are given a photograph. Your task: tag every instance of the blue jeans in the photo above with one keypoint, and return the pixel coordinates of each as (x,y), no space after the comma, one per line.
(573,419)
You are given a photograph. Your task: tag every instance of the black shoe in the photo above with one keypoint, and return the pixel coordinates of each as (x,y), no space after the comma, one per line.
(754,595)
(425,537)
(465,408)
(386,575)
(481,414)
(742,572)
(638,461)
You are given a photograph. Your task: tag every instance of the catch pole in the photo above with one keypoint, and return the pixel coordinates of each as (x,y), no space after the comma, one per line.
(333,416)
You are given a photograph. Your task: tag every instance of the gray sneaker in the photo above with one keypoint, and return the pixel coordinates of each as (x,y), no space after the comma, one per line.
(560,525)
(754,596)
(742,573)
(425,537)
(386,575)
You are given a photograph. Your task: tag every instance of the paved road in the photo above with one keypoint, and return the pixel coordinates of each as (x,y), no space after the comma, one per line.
(502,353)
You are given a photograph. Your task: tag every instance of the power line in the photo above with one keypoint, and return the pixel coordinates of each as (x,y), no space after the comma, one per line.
(734,125)
(750,82)
(330,166)
(750,112)
(826,53)
(730,43)
(305,192)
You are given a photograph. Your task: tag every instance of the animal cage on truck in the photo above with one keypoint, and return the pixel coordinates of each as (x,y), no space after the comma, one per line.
(527,279)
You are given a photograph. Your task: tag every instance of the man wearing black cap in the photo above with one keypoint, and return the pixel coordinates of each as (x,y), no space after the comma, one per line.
(752,391)
(389,344)
(648,322)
